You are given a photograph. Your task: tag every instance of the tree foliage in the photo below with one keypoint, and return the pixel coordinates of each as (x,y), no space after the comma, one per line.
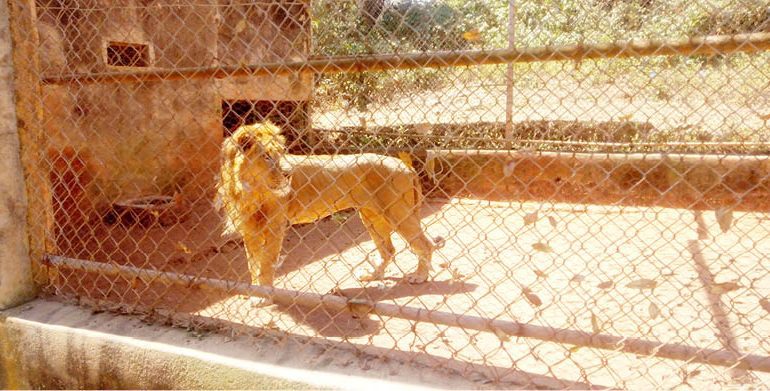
(360,27)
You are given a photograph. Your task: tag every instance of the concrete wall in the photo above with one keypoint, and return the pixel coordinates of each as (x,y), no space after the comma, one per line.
(668,180)
(50,345)
(47,345)
(15,274)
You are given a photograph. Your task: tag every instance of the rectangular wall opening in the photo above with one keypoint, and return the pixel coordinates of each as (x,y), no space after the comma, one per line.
(290,116)
(121,54)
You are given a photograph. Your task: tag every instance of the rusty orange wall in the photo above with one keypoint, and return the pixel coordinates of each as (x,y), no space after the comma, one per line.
(155,137)
(668,180)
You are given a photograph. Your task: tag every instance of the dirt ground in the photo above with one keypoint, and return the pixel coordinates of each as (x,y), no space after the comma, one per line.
(688,103)
(577,260)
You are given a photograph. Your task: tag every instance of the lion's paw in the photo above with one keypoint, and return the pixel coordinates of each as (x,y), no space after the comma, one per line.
(370,275)
(416,278)
(438,242)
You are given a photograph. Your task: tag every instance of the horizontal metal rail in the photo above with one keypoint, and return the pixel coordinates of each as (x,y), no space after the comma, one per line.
(511,328)
(705,45)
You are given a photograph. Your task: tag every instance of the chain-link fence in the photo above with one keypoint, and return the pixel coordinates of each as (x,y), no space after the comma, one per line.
(580,188)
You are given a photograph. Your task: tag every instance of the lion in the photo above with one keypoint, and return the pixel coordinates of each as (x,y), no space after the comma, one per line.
(264,190)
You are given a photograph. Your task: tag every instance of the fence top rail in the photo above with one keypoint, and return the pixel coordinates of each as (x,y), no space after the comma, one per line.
(702,45)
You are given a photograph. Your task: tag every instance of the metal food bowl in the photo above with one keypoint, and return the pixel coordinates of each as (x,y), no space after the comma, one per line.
(148,211)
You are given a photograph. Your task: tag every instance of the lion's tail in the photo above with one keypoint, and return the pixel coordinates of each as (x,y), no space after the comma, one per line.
(418,197)
(438,241)
(417,186)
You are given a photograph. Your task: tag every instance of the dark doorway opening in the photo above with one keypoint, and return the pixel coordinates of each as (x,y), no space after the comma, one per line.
(128,54)
(290,116)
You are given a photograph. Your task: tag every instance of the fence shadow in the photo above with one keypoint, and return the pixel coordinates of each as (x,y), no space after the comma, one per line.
(724,330)
(195,247)
(347,324)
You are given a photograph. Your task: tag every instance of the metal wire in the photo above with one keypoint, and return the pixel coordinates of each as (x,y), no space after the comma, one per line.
(580,188)
(713,45)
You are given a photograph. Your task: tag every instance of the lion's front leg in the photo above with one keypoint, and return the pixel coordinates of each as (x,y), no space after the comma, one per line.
(263,249)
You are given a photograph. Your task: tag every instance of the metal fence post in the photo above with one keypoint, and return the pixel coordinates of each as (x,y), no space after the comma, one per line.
(509,73)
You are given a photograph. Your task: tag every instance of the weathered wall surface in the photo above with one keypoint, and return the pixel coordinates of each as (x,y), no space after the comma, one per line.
(49,345)
(668,180)
(252,33)
(15,275)
(44,347)
(158,137)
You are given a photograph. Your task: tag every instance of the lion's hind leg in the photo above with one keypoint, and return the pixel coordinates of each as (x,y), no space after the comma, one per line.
(407,223)
(380,230)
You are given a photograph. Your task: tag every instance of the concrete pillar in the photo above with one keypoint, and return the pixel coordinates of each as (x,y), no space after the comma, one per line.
(16,282)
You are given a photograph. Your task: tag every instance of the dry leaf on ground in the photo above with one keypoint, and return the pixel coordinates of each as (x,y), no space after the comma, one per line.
(530,218)
(642,283)
(542,247)
(606,285)
(531,297)
(653,310)
(722,287)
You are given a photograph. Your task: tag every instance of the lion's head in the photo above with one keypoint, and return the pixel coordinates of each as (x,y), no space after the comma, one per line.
(251,168)
(257,146)
(262,139)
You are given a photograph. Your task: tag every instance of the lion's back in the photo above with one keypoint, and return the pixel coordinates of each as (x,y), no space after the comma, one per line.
(322,184)
(344,163)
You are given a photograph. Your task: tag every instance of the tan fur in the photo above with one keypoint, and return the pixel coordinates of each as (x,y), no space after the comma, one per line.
(263,191)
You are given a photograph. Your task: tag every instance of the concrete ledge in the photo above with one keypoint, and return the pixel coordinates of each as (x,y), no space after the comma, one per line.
(46,344)
(670,180)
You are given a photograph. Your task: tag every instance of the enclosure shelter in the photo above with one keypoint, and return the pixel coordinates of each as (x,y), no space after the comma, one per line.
(170,129)
(593,174)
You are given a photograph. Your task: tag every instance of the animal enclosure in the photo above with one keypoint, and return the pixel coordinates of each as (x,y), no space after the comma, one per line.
(593,175)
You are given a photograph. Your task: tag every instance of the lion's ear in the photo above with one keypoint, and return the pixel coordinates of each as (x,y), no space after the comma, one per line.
(245,142)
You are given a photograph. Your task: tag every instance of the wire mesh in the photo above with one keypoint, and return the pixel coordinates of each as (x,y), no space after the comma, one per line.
(579,188)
